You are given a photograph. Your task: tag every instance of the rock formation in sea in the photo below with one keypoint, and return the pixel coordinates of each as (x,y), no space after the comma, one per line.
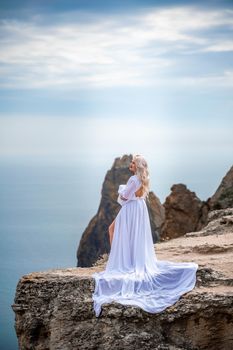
(95,239)
(54,308)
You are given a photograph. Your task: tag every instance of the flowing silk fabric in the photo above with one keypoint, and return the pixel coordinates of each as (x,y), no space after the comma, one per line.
(133,275)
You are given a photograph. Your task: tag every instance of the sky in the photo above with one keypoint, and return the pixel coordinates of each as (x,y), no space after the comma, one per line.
(99,79)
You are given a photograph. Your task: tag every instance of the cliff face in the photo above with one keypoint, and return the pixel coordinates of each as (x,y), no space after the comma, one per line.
(54,309)
(95,239)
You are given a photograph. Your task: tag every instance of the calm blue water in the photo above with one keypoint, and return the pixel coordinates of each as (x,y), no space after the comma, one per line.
(44,209)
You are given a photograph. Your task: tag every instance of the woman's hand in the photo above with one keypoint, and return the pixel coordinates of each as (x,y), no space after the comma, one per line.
(124,199)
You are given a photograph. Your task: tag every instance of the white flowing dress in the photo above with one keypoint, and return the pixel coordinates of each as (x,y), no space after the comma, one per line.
(133,275)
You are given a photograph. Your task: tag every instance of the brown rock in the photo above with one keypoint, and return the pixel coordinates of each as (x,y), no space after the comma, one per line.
(54,309)
(157,215)
(95,239)
(184,212)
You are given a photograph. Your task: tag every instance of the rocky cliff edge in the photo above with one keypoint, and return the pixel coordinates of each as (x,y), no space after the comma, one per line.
(54,308)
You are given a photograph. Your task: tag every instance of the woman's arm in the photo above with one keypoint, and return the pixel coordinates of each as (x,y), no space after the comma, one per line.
(129,190)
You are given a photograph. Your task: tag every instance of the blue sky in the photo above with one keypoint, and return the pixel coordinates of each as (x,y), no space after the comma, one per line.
(99,79)
(85,58)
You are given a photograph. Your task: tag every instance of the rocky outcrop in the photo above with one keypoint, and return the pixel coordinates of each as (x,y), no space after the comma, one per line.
(54,309)
(95,239)
(184,212)
(223,197)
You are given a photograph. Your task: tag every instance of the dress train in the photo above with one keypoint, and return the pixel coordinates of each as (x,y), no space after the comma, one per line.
(133,274)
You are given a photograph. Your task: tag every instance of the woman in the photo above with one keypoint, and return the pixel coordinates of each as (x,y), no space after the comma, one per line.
(143,191)
(133,274)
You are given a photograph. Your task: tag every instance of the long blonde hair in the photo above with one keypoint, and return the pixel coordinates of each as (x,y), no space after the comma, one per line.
(143,173)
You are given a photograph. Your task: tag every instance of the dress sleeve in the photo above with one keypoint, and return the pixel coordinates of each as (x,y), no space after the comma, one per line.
(129,191)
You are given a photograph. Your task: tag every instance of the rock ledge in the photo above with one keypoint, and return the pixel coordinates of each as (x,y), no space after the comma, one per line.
(54,308)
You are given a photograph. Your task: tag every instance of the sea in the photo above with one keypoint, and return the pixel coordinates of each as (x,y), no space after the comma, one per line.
(44,209)
(45,206)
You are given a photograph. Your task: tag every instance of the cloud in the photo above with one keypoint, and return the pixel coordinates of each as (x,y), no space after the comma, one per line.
(132,50)
(221,46)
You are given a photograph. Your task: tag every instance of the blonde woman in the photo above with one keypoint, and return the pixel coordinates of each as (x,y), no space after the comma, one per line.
(138,166)
(133,274)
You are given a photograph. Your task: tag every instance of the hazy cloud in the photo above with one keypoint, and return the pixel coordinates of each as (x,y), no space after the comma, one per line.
(131,50)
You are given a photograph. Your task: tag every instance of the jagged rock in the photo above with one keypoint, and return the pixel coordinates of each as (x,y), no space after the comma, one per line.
(54,309)
(184,212)
(95,239)
(223,197)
